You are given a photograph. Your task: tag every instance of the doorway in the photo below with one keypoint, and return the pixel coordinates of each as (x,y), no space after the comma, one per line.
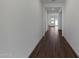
(54,18)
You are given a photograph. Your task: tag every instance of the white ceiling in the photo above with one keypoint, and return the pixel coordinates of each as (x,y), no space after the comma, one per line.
(53,10)
(50,1)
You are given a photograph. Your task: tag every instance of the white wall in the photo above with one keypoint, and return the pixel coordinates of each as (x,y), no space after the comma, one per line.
(44,20)
(20,27)
(60,20)
(71,24)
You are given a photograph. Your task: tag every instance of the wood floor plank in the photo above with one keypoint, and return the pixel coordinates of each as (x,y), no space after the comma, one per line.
(53,45)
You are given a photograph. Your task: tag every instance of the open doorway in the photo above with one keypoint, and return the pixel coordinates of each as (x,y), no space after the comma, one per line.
(54,18)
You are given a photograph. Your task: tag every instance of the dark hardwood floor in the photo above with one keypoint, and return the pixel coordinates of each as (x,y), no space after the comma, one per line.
(53,45)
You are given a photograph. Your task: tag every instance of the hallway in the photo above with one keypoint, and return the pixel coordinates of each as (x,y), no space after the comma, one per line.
(53,45)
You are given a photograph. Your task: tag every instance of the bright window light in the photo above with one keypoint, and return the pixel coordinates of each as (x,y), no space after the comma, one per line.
(52,18)
(52,22)
(56,22)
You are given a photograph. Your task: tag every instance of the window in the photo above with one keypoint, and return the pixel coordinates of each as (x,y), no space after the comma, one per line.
(56,22)
(52,22)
